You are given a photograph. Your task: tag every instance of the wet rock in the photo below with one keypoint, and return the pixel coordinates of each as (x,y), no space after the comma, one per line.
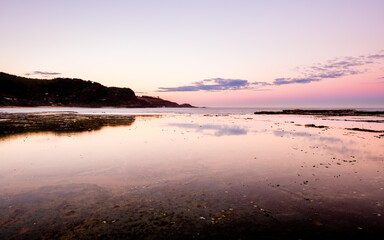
(338,112)
(315,126)
(365,130)
(65,122)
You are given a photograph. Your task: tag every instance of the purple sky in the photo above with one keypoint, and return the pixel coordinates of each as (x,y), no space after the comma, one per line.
(211,53)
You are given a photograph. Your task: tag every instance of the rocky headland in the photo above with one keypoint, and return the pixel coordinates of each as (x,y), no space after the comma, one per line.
(71,92)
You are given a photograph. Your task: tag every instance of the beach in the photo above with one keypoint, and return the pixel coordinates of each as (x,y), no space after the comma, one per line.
(189,174)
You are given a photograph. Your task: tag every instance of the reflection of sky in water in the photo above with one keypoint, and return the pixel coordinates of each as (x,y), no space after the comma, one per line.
(311,136)
(177,147)
(196,165)
(218,130)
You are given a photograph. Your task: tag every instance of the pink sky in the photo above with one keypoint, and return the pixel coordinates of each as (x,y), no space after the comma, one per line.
(301,53)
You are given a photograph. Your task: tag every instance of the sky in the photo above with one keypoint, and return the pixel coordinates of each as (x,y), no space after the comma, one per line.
(213,53)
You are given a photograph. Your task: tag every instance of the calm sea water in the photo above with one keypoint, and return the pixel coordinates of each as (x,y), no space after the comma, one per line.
(194,173)
(134,111)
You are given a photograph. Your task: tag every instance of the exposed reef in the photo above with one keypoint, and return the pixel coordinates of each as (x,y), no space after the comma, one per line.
(365,130)
(315,126)
(68,122)
(337,112)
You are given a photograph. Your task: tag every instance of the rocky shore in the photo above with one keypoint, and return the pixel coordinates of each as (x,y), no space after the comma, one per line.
(324,180)
(67,122)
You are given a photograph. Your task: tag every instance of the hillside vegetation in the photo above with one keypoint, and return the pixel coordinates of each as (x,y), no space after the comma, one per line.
(72,92)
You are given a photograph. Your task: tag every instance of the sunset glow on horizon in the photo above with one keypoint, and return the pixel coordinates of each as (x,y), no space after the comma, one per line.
(206,53)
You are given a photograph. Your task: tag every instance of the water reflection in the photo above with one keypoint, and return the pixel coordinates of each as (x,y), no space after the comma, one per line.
(308,135)
(156,179)
(213,129)
(58,123)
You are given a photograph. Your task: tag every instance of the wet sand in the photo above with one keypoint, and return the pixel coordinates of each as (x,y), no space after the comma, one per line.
(191,177)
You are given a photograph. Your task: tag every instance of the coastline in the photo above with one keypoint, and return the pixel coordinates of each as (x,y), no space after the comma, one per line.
(244,175)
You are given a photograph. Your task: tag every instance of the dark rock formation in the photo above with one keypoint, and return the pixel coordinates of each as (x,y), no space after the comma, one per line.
(158,102)
(338,112)
(365,130)
(65,122)
(315,126)
(20,91)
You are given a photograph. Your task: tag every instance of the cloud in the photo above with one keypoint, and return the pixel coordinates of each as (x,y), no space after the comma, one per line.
(336,68)
(43,74)
(381,80)
(262,84)
(285,81)
(215,84)
(377,56)
(331,69)
(282,81)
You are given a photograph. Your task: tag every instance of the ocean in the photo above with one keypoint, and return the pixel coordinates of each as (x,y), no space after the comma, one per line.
(201,173)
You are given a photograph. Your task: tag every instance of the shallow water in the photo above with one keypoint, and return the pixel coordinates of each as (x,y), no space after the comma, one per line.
(153,111)
(196,176)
